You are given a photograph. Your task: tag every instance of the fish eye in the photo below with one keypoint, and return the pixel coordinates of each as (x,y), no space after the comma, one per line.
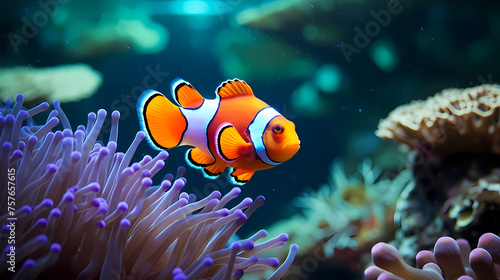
(278,129)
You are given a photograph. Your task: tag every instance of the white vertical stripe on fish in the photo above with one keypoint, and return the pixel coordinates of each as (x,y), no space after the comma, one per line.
(257,128)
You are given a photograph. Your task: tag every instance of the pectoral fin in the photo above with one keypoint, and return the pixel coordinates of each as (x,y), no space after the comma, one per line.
(230,145)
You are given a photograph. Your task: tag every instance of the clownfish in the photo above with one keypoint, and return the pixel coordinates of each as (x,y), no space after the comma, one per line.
(236,129)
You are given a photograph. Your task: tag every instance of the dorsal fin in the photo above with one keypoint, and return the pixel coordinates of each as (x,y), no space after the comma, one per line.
(185,94)
(232,88)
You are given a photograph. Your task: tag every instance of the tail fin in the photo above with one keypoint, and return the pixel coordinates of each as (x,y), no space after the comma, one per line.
(162,121)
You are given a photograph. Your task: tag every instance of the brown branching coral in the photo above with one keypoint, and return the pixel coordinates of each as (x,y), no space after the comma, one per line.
(454,120)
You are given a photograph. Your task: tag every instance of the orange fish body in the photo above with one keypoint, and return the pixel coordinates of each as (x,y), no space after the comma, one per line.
(235,130)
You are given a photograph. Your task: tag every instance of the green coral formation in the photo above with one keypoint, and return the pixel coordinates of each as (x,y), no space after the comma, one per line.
(252,55)
(92,28)
(66,83)
(342,220)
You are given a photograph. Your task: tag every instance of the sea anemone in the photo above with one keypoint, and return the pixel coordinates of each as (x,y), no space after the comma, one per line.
(451,259)
(82,211)
(350,210)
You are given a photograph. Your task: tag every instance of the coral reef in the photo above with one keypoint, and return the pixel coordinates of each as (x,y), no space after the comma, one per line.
(450,260)
(344,218)
(454,120)
(455,164)
(65,83)
(82,211)
(473,206)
